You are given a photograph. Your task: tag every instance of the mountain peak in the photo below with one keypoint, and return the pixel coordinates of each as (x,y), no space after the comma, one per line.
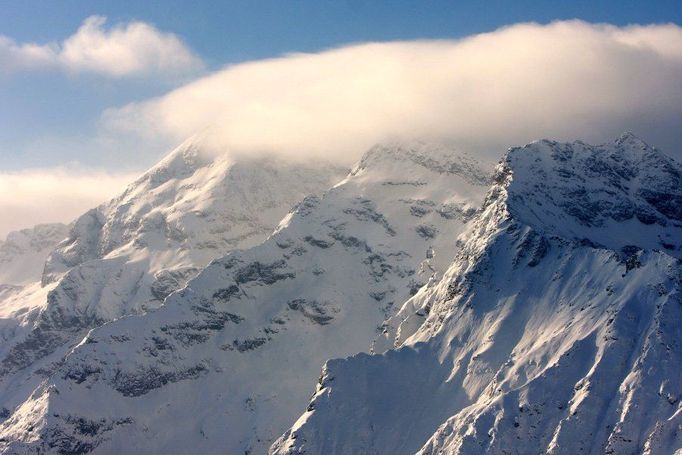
(630,139)
(615,194)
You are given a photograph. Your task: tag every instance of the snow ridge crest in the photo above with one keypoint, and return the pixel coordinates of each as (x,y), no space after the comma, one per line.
(611,195)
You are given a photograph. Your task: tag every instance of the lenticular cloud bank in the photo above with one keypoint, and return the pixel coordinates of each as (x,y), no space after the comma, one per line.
(566,80)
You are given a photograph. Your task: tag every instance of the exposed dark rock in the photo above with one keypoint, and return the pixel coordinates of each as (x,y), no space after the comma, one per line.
(146,379)
(312,310)
(668,204)
(82,373)
(419,211)
(532,246)
(378,266)
(318,242)
(225,294)
(457,211)
(350,241)
(630,257)
(365,210)
(426,231)
(409,183)
(415,286)
(249,344)
(263,273)
(307,205)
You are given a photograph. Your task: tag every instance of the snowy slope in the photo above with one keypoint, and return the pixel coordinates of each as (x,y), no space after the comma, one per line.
(22,259)
(230,360)
(557,329)
(127,255)
(23,253)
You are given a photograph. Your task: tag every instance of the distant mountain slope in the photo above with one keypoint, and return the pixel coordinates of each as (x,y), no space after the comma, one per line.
(23,253)
(127,255)
(22,260)
(230,360)
(557,329)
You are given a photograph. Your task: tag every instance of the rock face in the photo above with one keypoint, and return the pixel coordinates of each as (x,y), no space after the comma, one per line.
(235,354)
(126,256)
(23,253)
(557,328)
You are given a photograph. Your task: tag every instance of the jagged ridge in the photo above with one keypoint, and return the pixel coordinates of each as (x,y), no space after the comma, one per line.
(544,336)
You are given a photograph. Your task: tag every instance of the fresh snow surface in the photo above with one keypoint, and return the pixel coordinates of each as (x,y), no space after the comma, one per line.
(125,256)
(557,329)
(228,362)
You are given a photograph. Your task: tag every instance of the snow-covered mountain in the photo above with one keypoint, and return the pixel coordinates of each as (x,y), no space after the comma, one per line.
(125,256)
(228,362)
(557,329)
(22,260)
(547,321)
(23,253)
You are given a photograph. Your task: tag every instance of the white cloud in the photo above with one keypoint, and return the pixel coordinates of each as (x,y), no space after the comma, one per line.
(565,80)
(131,49)
(33,196)
(15,56)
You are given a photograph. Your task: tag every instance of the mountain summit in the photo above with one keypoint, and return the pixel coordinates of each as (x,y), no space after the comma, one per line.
(556,329)
(127,255)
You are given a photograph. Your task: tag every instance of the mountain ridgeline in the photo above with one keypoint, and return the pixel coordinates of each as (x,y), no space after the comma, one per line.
(557,328)
(533,309)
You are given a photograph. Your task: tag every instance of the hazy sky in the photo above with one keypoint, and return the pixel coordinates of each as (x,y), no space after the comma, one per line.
(92,92)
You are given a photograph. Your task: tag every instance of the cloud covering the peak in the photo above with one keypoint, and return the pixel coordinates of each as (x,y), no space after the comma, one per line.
(565,80)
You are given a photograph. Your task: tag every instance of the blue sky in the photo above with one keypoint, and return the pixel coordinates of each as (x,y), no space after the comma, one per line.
(233,31)
(94,92)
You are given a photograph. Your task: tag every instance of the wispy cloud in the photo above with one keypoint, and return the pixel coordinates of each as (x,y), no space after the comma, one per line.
(565,80)
(129,49)
(33,196)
